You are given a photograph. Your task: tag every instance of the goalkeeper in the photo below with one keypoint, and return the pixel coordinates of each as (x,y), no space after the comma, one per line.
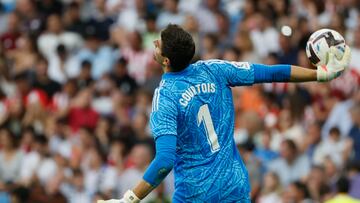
(192,120)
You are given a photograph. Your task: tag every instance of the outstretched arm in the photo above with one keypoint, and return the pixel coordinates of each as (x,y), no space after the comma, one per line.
(243,73)
(290,73)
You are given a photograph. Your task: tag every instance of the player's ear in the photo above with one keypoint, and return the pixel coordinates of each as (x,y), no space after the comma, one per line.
(166,62)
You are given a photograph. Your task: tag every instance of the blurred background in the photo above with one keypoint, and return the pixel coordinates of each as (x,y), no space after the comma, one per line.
(77,78)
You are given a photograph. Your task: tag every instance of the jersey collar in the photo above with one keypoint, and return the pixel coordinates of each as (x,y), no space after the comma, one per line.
(176,74)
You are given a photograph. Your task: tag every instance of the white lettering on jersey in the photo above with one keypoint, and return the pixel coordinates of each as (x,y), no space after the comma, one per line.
(195,90)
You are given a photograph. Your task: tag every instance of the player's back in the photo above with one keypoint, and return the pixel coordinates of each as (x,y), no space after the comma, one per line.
(208,167)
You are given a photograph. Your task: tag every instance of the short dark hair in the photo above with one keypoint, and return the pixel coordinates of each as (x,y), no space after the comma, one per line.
(343,185)
(178,46)
(303,188)
(86,64)
(335,130)
(291,144)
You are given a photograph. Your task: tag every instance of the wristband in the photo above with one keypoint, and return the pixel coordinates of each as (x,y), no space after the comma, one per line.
(130,197)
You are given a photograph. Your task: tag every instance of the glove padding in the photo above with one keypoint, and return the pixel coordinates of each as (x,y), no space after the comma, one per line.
(129,197)
(334,67)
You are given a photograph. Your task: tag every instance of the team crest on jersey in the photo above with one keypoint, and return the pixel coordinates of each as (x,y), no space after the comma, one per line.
(243,65)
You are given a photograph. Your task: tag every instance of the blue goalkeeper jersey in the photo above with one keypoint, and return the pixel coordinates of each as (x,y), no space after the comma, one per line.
(196,106)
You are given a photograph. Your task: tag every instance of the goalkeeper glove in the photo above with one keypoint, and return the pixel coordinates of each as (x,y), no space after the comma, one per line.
(129,197)
(334,67)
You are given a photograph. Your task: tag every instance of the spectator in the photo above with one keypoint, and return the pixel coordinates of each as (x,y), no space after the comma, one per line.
(123,80)
(355,53)
(99,20)
(25,56)
(291,166)
(30,163)
(354,178)
(98,176)
(42,81)
(103,132)
(151,33)
(10,158)
(9,38)
(316,183)
(98,53)
(31,18)
(85,79)
(264,32)
(140,156)
(72,19)
(138,58)
(243,42)
(210,51)
(264,151)
(332,146)
(340,115)
(342,196)
(231,54)
(62,65)
(61,100)
(131,17)
(290,129)
(298,192)
(55,35)
(102,101)
(271,191)
(206,16)
(171,14)
(354,133)
(313,142)
(332,172)
(74,189)
(81,114)
(253,165)
(287,53)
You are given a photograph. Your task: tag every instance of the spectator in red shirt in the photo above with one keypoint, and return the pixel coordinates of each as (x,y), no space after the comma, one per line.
(8,39)
(81,114)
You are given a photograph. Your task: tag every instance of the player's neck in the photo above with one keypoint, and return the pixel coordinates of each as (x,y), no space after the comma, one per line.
(166,69)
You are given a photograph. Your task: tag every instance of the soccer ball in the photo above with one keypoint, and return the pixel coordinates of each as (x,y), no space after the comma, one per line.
(319,43)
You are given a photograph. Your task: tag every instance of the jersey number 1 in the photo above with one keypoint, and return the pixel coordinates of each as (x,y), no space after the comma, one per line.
(204,116)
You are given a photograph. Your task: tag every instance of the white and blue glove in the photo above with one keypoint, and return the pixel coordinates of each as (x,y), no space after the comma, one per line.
(334,67)
(129,197)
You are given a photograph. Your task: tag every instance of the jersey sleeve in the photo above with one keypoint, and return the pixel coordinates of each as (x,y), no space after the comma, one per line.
(234,73)
(163,118)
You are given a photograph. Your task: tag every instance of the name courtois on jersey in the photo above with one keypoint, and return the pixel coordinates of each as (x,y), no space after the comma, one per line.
(194,90)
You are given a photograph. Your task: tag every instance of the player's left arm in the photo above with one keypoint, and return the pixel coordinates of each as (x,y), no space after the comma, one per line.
(291,73)
(244,73)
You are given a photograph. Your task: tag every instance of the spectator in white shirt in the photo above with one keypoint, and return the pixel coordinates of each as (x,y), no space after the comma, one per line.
(10,158)
(265,32)
(291,166)
(62,66)
(340,116)
(171,14)
(99,177)
(74,189)
(131,18)
(55,35)
(332,146)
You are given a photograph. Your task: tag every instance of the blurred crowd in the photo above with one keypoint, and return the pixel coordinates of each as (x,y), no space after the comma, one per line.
(76,84)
